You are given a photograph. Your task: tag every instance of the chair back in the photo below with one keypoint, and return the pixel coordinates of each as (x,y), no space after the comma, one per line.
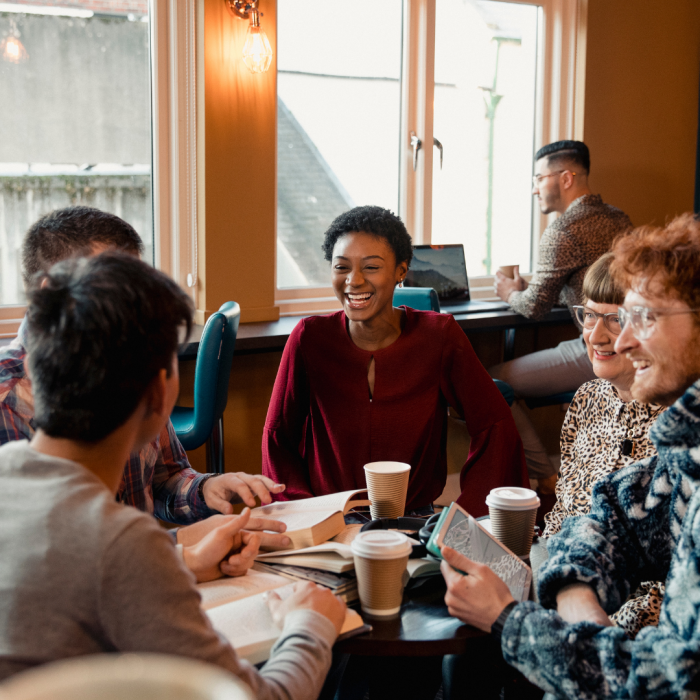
(420,298)
(125,677)
(213,369)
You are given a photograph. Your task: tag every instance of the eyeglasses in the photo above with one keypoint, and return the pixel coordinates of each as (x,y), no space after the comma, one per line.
(536,179)
(642,319)
(588,319)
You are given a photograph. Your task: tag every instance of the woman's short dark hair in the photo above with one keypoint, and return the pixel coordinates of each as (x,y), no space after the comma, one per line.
(99,331)
(599,286)
(376,221)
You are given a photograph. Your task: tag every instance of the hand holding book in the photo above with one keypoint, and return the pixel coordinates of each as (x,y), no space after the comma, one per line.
(477,598)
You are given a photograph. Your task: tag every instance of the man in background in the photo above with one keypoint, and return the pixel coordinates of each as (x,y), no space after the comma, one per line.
(157,479)
(584,231)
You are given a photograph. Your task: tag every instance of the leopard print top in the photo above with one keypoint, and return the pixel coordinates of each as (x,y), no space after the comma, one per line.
(591,448)
(567,247)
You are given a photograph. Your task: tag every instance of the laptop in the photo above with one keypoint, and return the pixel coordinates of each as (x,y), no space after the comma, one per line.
(443,268)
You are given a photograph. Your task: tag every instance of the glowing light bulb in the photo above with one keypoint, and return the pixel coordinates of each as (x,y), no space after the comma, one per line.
(12,50)
(257,52)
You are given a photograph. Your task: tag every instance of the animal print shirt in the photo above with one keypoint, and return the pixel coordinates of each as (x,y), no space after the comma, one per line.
(568,246)
(595,426)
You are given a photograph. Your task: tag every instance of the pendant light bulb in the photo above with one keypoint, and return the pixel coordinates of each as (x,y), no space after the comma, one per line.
(257,52)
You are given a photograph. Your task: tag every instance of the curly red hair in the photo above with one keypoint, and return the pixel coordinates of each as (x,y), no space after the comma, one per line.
(669,255)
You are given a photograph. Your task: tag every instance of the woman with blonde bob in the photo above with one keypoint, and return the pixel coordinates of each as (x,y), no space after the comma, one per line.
(605,429)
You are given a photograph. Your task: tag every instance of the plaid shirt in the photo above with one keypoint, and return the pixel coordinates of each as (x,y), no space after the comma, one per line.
(158,479)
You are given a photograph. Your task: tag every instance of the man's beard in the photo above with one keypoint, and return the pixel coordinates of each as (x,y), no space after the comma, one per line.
(675,384)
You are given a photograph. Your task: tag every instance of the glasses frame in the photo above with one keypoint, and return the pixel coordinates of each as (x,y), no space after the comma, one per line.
(643,328)
(605,318)
(536,179)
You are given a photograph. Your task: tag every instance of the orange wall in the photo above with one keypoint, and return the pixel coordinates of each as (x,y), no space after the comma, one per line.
(238,112)
(641,109)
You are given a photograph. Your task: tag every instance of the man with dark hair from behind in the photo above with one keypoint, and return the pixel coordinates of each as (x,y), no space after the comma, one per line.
(158,479)
(82,574)
(584,231)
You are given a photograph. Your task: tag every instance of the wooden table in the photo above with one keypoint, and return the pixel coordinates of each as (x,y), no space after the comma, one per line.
(423,628)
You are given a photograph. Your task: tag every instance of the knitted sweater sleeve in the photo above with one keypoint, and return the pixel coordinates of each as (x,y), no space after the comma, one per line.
(585,660)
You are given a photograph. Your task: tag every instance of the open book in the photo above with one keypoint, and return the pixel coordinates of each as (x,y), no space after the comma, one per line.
(247,624)
(311,521)
(225,590)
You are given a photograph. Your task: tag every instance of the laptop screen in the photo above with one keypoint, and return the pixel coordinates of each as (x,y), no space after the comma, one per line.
(441,267)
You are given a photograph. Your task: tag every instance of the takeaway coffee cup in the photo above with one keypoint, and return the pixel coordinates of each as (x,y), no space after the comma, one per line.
(380,564)
(513,512)
(387,484)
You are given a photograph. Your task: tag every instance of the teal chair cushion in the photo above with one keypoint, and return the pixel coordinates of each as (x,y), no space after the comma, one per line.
(420,298)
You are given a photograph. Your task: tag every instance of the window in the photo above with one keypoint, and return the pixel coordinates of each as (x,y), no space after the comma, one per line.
(488,81)
(99,110)
(338,112)
(75,127)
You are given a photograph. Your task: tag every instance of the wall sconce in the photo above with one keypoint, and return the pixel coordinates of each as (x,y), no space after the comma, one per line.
(11,48)
(257,52)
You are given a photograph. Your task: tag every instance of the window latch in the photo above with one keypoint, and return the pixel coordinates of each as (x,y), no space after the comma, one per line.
(438,145)
(416,145)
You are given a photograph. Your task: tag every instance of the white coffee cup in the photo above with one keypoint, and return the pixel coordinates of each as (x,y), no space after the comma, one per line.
(513,512)
(380,564)
(387,485)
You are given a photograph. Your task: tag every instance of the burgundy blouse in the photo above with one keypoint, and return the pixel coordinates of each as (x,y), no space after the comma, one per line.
(322,426)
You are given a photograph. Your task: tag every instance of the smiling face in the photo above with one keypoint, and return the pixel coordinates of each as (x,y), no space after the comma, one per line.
(668,361)
(364,275)
(600,342)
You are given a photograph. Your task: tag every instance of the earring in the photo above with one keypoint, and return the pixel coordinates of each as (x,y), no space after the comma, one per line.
(401,283)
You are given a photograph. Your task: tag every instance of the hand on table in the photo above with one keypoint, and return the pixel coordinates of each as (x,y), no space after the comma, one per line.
(226,549)
(221,490)
(477,599)
(579,603)
(308,596)
(504,286)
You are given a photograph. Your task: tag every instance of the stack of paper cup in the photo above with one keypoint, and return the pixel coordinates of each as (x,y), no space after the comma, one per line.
(513,512)
(387,484)
(380,564)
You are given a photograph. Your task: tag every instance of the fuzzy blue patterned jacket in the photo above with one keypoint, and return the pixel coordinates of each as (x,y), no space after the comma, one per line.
(644,525)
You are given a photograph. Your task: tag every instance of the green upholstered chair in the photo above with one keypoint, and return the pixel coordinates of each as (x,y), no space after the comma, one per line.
(420,298)
(204,422)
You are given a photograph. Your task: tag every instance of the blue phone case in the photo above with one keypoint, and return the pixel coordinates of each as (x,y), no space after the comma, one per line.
(431,546)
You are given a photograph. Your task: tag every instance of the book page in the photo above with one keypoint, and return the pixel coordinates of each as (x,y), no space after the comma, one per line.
(225,590)
(248,625)
(338,548)
(348,534)
(329,503)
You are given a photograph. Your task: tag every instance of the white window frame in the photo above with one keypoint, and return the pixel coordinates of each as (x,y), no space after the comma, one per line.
(174,133)
(561,85)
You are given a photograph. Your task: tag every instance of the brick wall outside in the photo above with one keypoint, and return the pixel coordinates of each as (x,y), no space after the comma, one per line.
(137,7)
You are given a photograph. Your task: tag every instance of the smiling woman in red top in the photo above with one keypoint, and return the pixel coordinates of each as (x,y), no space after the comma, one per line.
(373,382)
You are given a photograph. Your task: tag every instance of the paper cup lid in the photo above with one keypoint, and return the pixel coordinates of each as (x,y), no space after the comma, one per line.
(381,544)
(387,467)
(513,498)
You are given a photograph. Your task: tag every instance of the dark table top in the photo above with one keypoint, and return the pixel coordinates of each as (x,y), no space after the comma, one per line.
(272,335)
(423,628)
